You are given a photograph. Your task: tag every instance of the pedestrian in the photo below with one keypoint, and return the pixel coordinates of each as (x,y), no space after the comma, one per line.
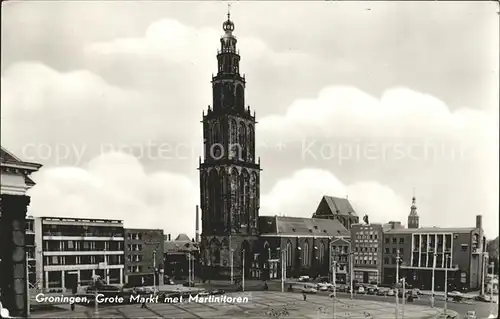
(304,296)
(72,305)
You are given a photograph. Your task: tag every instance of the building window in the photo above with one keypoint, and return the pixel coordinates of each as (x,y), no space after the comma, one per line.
(394,250)
(289,254)
(464,247)
(401,250)
(386,240)
(321,252)
(394,240)
(305,260)
(401,240)
(387,250)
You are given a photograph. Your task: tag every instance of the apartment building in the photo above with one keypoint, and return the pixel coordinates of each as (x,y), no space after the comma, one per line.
(74,251)
(367,247)
(340,258)
(144,256)
(31,250)
(460,251)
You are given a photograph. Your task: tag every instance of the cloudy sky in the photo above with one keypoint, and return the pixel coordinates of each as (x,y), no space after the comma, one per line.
(370,100)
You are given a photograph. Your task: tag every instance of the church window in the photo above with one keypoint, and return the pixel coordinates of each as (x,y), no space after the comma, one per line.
(321,252)
(288,254)
(251,143)
(242,139)
(240,97)
(305,258)
(235,147)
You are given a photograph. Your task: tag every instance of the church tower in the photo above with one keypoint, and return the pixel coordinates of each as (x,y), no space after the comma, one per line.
(413,217)
(229,172)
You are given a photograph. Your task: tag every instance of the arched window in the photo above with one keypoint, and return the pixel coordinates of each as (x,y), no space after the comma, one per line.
(242,140)
(267,251)
(235,148)
(217,94)
(214,187)
(305,258)
(223,198)
(251,143)
(245,194)
(215,252)
(289,254)
(321,252)
(240,97)
(234,198)
(241,200)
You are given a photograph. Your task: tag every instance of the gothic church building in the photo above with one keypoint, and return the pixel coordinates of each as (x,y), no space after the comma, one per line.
(232,231)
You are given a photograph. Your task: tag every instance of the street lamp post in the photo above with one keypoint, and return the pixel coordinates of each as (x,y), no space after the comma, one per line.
(231,259)
(404,295)
(492,265)
(334,274)
(154,270)
(282,264)
(433,278)
(397,284)
(28,305)
(243,272)
(351,272)
(483,271)
(447,257)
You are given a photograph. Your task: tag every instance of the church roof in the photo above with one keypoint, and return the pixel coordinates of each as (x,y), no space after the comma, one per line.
(297,227)
(338,206)
(182,237)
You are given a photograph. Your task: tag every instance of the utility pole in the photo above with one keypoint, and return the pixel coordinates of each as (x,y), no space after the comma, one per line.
(189,268)
(448,257)
(433,278)
(397,284)
(96,304)
(492,315)
(28,305)
(351,271)
(154,270)
(243,272)
(334,288)
(281,252)
(403,280)
(231,259)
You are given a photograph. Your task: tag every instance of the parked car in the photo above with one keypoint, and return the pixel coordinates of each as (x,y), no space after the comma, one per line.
(371,291)
(188,284)
(470,315)
(304,278)
(361,290)
(417,291)
(309,290)
(391,292)
(482,298)
(324,287)
(382,291)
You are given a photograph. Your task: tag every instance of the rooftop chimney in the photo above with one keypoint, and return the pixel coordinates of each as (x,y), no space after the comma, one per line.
(479,221)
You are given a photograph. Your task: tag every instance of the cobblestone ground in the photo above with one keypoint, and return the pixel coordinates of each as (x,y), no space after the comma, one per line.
(260,305)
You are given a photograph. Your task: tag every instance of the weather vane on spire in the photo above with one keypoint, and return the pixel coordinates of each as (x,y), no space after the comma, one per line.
(228,11)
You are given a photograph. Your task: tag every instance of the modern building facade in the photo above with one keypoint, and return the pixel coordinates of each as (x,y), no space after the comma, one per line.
(75,251)
(367,244)
(458,250)
(13,207)
(337,208)
(31,250)
(143,256)
(341,258)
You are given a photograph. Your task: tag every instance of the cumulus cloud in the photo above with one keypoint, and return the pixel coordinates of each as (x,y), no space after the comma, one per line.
(401,140)
(115,186)
(299,196)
